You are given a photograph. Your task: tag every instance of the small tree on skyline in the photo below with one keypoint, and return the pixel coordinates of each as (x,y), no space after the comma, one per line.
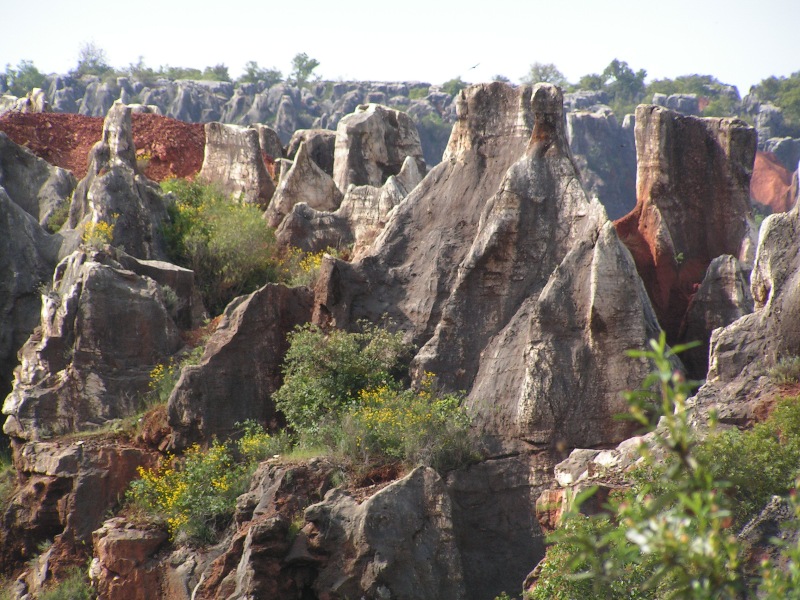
(302,67)
(544,72)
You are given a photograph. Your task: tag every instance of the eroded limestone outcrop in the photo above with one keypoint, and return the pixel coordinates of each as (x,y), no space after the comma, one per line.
(372,143)
(233,162)
(114,192)
(240,367)
(103,328)
(693,204)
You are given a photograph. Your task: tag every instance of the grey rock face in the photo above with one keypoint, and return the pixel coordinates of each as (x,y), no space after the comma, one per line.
(27,258)
(304,182)
(787,150)
(372,144)
(399,543)
(113,191)
(240,368)
(686,104)
(98,99)
(742,353)
(102,331)
(36,186)
(234,163)
(269,141)
(320,144)
(605,154)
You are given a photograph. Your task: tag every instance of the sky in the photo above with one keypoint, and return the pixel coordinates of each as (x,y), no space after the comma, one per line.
(739,42)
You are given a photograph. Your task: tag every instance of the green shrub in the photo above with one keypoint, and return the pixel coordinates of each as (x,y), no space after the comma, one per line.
(228,245)
(7,478)
(24,78)
(195,494)
(786,371)
(257,445)
(418,93)
(58,217)
(453,86)
(75,587)
(324,373)
(164,376)
(415,427)
(98,234)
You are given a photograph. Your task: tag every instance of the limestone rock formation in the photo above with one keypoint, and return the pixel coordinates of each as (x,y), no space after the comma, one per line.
(269,141)
(234,163)
(398,543)
(38,187)
(27,258)
(742,353)
(123,564)
(320,144)
(363,213)
(372,144)
(103,329)
(114,192)
(605,155)
(722,298)
(65,491)
(693,204)
(304,182)
(241,365)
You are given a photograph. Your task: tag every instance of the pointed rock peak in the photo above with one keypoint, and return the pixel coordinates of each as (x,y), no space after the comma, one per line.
(409,175)
(118,136)
(549,132)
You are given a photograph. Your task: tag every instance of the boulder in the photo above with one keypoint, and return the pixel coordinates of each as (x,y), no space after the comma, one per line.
(742,353)
(605,154)
(320,144)
(241,365)
(304,182)
(786,150)
(123,567)
(102,330)
(98,99)
(399,543)
(771,184)
(233,162)
(286,118)
(114,192)
(693,204)
(269,142)
(372,143)
(33,184)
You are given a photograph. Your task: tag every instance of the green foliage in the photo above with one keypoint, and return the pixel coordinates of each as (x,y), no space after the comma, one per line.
(624,86)
(216,73)
(418,93)
(228,245)
(257,445)
(195,494)
(7,478)
(324,373)
(544,72)
(164,376)
(672,534)
(453,86)
(786,371)
(253,73)
(98,234)
(302,68)
(302,268)
(58,217)
(92,61)
(141,72)
(702,85)
(783,92)
(174,73)
(418,427)
(24,78)
(501,78)
(75,587)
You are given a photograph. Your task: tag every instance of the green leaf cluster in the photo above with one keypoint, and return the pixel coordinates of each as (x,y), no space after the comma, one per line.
(253,73)
(24,78)
(228,245)
(783,92)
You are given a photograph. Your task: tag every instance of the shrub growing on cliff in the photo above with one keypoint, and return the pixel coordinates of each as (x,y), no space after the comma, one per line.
(228,245)
(672,535)
(24,78)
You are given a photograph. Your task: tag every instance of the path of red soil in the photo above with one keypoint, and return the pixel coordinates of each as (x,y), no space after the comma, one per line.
(170,148)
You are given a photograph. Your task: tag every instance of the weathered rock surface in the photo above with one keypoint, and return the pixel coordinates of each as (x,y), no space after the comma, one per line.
(27,258)
(693,204)
(320,145)
(269,141)
(241,365)
(362,215)
(771,184)
(372,143)
(65,490)
(304,182)
(36,186)
(103,329)
(234,163)
(123,567)
(742,353)
(722,298)
(605,155)
(114,192)
(398,543)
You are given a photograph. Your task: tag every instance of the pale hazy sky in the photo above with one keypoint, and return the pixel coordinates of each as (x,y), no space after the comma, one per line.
(740,42)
